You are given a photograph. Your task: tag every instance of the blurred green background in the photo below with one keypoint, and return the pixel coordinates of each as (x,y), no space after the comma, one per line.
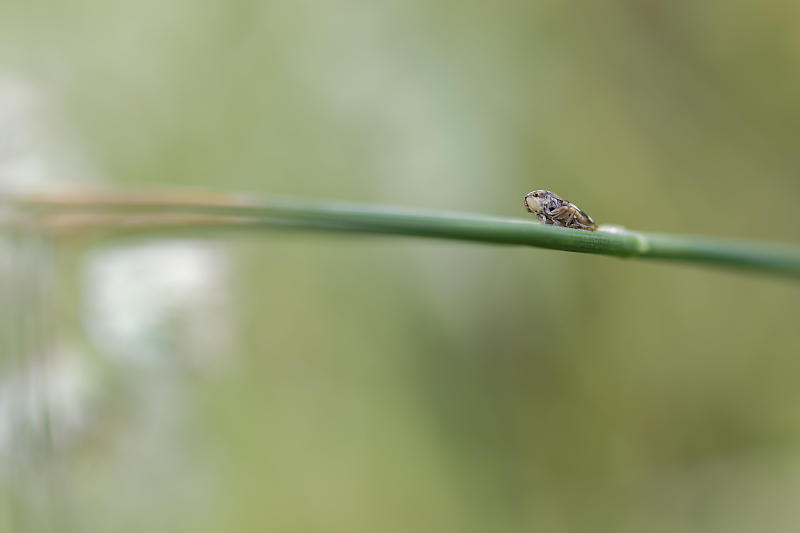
(351,383)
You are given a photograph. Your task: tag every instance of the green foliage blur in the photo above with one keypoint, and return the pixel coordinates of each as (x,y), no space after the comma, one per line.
(397,384)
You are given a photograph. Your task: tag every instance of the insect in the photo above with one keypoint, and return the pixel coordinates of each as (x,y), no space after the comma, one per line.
(553,210)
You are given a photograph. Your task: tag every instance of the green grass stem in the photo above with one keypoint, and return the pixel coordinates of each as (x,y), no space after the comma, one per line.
(115,212)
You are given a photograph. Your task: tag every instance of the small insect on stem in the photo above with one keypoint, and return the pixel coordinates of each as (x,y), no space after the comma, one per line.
(553,210)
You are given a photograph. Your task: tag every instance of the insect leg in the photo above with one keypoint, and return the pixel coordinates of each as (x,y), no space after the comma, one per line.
(555,213)
(578,225)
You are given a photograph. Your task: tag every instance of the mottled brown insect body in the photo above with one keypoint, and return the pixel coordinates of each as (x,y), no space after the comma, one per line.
(553,210)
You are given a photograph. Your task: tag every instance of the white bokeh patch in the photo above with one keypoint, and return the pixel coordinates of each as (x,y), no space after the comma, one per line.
(159,303)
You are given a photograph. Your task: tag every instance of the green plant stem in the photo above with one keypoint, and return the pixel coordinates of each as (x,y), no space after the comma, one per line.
(283,212)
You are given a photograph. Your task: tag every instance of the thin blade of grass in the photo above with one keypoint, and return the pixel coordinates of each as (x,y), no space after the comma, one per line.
(122,211)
